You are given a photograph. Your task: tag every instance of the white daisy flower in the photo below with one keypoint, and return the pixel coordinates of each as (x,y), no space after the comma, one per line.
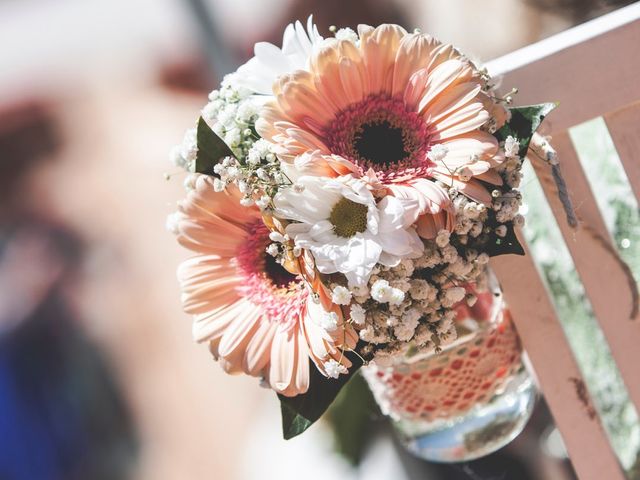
(340,222)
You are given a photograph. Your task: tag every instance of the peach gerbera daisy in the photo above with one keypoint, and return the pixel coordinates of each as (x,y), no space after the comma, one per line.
(404,106)
(256,316)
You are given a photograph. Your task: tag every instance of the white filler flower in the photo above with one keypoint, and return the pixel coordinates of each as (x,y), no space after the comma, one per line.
(340,222)
(334,369)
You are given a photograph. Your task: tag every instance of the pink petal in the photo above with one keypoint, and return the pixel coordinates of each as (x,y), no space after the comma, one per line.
(235,340)
(464,120)
(415,88)
(413,54)
(452,100)
(379,49)
(479,143)
(283,360)
(472,189)
(258,351)
(490,176)
(444,75)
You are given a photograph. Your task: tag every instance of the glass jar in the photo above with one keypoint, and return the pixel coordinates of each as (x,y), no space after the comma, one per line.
(467,401)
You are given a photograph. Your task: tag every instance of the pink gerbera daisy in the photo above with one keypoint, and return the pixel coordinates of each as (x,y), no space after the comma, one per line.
(403,106)
(256,316)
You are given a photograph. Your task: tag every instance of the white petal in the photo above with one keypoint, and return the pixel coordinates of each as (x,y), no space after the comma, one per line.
(389,260)
(313,204)
(270,62)
(391,214)
(323,231)
(271,57)
(398,243)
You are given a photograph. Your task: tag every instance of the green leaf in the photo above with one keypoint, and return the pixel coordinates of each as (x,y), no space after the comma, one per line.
(523,124)
(509,244)
(211,149)
(351,418)
(301,411)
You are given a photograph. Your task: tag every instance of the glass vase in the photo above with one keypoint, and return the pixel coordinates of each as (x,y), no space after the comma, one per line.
(466,401)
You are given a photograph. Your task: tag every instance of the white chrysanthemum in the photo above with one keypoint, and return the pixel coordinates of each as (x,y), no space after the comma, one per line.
(396,296)
(341,295)
(172,222)
(383,292)
(270,62)
(176,157)
(340,222)
(442,239)
(328,321)
(358,314)
(511,147)
(452,296)
(334,369)
(347,34)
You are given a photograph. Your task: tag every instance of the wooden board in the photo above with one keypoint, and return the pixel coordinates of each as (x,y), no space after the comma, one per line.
(558,374)
(591,69)
(600,271)
(624,128)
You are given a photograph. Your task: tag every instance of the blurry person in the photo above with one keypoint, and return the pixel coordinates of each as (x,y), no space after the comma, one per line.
(61,416)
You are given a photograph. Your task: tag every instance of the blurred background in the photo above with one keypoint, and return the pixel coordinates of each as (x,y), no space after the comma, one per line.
(99,378)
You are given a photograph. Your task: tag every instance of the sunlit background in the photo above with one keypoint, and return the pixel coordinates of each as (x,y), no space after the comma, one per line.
(99,378)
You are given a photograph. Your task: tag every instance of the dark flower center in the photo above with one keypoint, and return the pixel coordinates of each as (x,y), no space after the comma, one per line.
(381,143)
(275,272)
(382,133)
(254,260)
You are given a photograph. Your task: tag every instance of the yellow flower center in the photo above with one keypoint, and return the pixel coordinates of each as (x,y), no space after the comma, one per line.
(348,218)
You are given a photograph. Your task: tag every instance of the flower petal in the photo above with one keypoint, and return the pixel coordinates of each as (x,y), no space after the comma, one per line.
(379,48)
(283,361)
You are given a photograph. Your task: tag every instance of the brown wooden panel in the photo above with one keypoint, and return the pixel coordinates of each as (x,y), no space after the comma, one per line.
(624,127)
(606,282)
(591,69)
(557,371)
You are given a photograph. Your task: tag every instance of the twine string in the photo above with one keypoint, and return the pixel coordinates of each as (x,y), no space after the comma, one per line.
(543,150)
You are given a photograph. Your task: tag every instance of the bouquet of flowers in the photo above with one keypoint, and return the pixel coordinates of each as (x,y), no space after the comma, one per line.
(346,195)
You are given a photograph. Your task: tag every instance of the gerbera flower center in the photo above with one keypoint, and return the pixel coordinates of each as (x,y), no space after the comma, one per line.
(378,142)
(381,133)
(264,281)
(348,218)
(275,272)
(254,260)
